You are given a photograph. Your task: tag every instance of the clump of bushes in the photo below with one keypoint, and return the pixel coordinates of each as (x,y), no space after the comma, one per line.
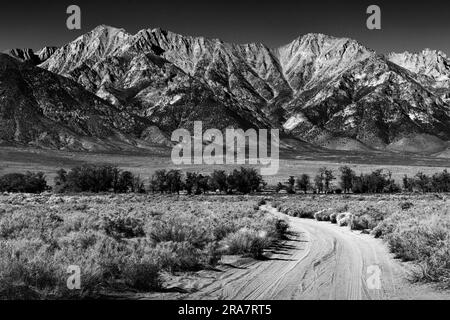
(244,180)
(343,219)
(323,215)
(366,219)
(261,202)
(298,210)
(406,205)
(176,256)
(246,242)
(423,239)
(123,225)
(23,183)
(97,178)
(333,217)
(142,275)
(281,228)
(438,182)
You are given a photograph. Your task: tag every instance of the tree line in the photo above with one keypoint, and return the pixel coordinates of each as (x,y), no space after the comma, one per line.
(378,181)
(244,180)
(107,178)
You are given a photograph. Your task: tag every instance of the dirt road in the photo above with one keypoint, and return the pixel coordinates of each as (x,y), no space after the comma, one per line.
(319,261)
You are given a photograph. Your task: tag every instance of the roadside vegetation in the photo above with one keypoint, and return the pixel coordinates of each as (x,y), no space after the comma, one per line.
(121,242)
(415,227)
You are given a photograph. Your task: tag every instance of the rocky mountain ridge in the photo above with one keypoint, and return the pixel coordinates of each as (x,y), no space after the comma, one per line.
(321,90)
(28,55)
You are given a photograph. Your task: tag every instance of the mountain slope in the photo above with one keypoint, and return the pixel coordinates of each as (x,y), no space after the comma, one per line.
(431,68)
(331,92)
(33,57)
(376,103)
(43,109)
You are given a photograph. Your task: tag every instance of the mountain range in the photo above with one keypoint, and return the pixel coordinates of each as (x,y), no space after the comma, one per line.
(109,90)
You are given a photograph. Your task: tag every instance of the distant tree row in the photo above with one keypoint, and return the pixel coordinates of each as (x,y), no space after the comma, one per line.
(97,178)
(320,184)
(377,181)
(107,178)
(244,180)
(438,182)
(23,183)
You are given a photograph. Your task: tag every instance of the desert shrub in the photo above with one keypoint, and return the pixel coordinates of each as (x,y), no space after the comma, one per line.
(172,229)
(246,242)
(333,217)
(303,213)
(34,270)
(211,254)
(343,219)
(406,205)
(387,226)
(123,225)
(323,215)
(368,218)
(261,202)
(142,275)
(22,277)
(301,209)
(177,256)
(281,227)
(421,236)
(24,183)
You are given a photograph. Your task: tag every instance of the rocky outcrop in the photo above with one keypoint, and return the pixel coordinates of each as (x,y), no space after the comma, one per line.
(43,109)
(28,55)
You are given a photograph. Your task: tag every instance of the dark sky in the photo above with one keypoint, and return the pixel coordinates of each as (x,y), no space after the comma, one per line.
(406,25)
